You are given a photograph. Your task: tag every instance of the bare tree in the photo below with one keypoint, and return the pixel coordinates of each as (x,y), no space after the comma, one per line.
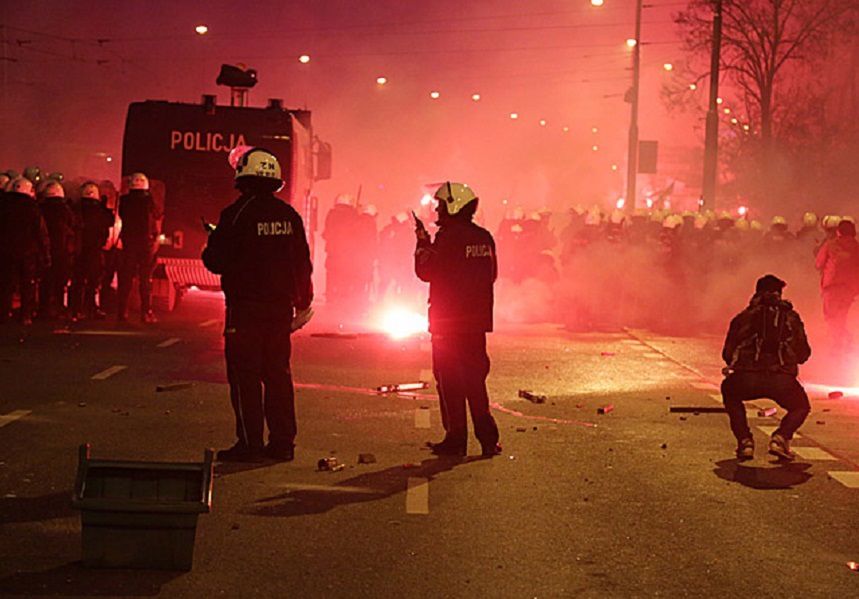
(771,51)
(760,39)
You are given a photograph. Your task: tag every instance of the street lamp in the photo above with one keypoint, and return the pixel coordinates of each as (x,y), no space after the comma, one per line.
(201,29)
(304,58)
(634,43)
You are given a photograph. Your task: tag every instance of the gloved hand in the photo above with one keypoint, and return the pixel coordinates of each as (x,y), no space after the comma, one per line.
(301,318)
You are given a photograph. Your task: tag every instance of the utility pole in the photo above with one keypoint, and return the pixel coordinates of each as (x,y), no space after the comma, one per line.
(632,157)
(711,143)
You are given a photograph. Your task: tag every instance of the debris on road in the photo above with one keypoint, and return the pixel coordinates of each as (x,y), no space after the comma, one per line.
(335,335)
(853,566)
(366,458)
(531,396)
(821,422)
(766,413)
(173,387)
(607,354)
(82,404)
(664,446)
(521,429)
(330,464)
(397,387)
(683,418)
(836,394)
(697,409)
(605,409)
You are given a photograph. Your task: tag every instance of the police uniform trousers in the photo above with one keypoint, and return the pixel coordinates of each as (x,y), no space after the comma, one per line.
(135,262)
(88,274)
(260,378)
(460,366)
(23,273)
(782,388)
(52,289)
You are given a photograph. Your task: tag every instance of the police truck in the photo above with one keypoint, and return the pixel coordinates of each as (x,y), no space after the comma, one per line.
(184,148)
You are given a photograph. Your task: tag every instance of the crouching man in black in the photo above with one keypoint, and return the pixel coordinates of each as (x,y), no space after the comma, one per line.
(766,342)
(260,250)
(461,267)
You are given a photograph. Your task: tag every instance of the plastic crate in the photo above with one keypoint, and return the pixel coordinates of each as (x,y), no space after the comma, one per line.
(140,515)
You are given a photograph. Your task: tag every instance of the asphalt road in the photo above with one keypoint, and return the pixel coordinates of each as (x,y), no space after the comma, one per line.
(636,502)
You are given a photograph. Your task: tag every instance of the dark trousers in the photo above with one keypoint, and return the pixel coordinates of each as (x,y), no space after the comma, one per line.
(782,388)
(52,289)
(135,262)
(836,306)
(258,356)
(87,278)
(460,365)
(23,273)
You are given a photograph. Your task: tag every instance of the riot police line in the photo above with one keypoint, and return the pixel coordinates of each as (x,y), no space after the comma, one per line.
(63,244)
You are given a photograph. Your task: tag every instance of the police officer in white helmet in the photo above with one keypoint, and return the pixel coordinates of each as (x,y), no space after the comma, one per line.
(461,268)
(260,250)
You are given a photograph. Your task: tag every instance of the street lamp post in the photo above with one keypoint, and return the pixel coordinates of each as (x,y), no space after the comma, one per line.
(632,151)
(711,143)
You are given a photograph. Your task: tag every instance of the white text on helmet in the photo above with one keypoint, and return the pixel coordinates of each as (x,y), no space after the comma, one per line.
(198,141)
(274,228)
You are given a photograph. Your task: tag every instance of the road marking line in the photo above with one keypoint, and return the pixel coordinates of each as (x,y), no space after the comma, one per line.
(417,495)
(848,478)
(104,374)
(169,342)
(426,375)
(704,386)
(209,323)
(422,418)
(653,356)
(813,453)
(13,416)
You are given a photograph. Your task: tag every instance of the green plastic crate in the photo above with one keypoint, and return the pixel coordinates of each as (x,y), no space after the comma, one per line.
(141,515)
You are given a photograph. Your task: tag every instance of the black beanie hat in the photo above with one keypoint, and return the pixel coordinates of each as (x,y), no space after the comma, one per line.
(769,283)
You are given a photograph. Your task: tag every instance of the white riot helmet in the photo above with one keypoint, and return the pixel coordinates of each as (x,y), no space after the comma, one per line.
(258,162)
(22,185)
(138,181)
(54,190)
(455,196)
(90,190)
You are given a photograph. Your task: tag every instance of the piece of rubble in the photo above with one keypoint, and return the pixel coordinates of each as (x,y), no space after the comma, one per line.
(768,412)
(366,458)
(836,394)
(531,396)
(173,387)
(605,409)
(853,566)
(397,387)
(521,429)
(327,464)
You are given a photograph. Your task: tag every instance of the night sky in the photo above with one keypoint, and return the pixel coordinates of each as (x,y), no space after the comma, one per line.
(71,69)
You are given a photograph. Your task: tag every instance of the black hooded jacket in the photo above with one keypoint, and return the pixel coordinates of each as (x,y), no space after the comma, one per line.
(260,250)
(768,336)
